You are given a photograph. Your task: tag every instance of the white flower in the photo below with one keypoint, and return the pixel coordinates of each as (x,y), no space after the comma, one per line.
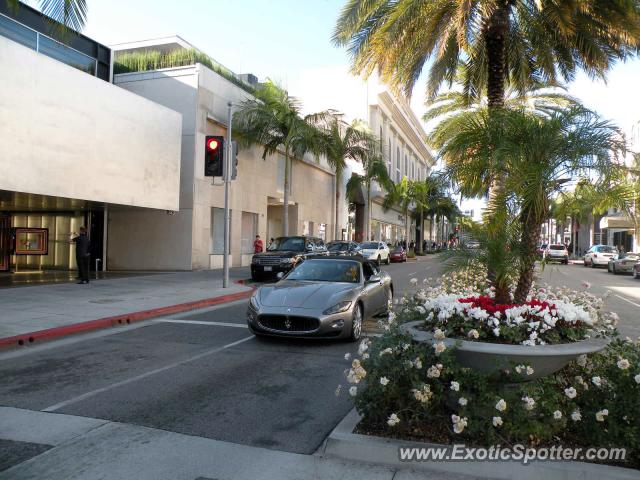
(417,363)
(496,331)
(586,285)
(393,420)
(365,356)
(384,381)
(519,368)
(458,423)
(473,334)
(423,395)
(439,347)
(576,417)
(347,356)
(405,347)
(597,381)
(438,334)
(363,347)
(463,401)
(529,370)
(433,372)
(623,364)
(529,403)
(455,386)
(601,414)
(501,406)
(353,391)
(637,378)
(413,281)
(582,360)
(386,351)
(570,392)
(557,414)
(497,421)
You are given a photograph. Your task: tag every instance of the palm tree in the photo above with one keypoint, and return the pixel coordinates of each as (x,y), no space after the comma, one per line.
(341,141)
(428,194)
(402,194)
(375,170)
(487,46)
(273,121)
(70,13)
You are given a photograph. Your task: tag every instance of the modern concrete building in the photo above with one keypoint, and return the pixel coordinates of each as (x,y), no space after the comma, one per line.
(402,138)
(74,148)
(188,82)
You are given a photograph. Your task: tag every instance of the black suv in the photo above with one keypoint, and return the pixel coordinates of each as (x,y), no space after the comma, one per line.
(284,254)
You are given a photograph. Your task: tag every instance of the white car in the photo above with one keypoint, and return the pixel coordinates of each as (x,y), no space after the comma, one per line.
(375,251)
(600,255)
(556,252)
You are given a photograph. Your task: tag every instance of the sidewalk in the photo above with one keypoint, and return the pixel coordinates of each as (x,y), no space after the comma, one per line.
(87,449)
(24,310)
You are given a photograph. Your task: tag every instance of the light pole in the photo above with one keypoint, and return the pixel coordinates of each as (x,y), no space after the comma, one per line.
(227,184)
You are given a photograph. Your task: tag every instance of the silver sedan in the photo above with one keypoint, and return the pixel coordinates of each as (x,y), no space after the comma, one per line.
(326,297)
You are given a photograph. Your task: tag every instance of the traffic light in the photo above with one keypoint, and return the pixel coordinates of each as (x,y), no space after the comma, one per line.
(213,155)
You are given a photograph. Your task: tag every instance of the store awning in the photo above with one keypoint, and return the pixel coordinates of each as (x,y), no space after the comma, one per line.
(619,221)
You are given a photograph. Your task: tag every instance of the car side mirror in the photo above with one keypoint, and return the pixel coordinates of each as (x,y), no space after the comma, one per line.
(309,248)
(280,275)
(373,279)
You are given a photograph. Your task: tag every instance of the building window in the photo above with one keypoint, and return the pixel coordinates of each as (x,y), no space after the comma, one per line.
(389,158)
(322,231)
(249,231)
(217,230)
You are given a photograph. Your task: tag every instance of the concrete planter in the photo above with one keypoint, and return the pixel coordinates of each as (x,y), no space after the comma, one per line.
(343,443)
(488,357)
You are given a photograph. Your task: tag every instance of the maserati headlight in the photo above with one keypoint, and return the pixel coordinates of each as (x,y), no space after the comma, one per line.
(337,308)
(288,260)
(254,302)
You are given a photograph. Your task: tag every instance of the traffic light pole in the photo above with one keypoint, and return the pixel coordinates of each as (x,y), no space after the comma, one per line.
(227,183)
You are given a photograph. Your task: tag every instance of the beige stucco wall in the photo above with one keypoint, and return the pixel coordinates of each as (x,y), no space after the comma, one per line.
(68,134)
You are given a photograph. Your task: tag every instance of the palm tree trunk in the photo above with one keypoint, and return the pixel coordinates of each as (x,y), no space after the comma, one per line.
(406,227)
(530,235)
(335,225)
(285,207)
(367,219)
(421,236)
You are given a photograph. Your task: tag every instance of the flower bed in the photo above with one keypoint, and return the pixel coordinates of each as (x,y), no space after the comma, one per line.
(418,391)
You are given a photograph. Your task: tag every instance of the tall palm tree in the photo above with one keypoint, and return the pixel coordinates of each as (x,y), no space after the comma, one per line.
(70,13)
(272,120)
(402,194)
(341,141)
(428,194)
(375,170)
(487,46)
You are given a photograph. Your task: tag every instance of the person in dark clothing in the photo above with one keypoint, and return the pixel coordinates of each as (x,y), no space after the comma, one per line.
(82,255)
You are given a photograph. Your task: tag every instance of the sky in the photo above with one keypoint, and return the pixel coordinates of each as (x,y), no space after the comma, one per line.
(283,39)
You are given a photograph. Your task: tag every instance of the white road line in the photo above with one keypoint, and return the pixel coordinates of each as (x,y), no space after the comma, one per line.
(412,273)
(626,300)
(202,322)
(93,393)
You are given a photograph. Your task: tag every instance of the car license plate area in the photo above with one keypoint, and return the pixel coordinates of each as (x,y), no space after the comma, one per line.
(268,269)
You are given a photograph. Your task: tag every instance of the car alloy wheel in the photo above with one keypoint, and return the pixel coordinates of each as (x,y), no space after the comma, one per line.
(387,261)
(389,300)
(593,264)
(356,323)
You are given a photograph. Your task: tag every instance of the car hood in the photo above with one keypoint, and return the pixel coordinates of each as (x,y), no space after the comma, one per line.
(278,253)
(294,294)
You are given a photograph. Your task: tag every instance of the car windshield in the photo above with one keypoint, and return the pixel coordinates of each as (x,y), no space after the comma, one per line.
(556,247)
(631,256)
(295,244)
(370,246)
(607,249)
(326,271)
(337,246)
(398,250)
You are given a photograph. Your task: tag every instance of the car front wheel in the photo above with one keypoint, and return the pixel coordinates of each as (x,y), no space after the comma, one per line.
(593,264)
(388,261)
(378,260)
(356,324)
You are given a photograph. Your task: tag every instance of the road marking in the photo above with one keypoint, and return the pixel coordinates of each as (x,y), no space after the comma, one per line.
(626,300)
(202,322)
(412,273)
(93,393)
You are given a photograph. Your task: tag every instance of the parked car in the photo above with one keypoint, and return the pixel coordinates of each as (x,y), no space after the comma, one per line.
(343,247)
(541,249)
(284,254)
(324,297)
(556,252)
(624,263)
(376,251)
(599,255)
(473,244)
(398,254)
(635,271)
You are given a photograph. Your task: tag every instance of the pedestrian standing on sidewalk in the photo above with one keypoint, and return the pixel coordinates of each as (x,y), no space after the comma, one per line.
(257,245)
(82,255)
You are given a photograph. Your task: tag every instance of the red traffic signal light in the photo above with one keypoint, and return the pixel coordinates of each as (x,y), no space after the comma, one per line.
(213,156)
(212,144)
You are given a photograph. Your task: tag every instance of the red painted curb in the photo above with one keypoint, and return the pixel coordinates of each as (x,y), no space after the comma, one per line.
(117,320)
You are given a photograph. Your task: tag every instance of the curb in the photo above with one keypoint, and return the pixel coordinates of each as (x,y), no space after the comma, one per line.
(344,444)
(118,320)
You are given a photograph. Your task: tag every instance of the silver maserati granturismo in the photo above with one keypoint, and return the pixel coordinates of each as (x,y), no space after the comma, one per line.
(324,297)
